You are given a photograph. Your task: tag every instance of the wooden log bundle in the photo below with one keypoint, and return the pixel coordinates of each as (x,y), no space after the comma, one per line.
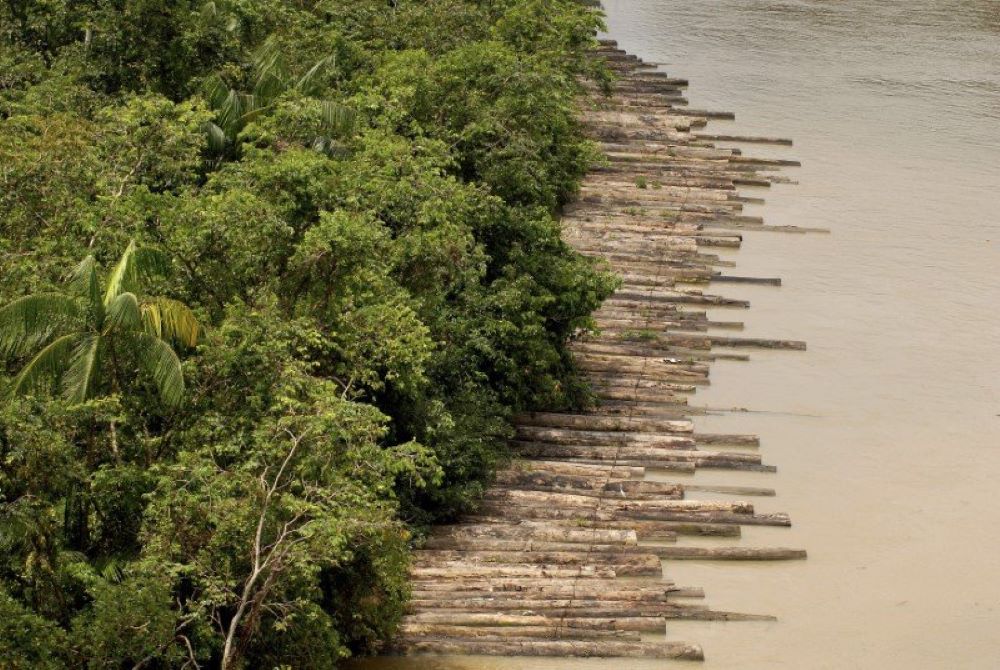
(569,552)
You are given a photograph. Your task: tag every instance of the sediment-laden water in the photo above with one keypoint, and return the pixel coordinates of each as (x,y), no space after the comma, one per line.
(887,431)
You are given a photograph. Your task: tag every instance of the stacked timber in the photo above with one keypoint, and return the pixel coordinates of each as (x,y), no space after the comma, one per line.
(566,554)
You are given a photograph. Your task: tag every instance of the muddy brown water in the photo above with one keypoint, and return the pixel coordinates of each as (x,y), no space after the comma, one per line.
(887,431)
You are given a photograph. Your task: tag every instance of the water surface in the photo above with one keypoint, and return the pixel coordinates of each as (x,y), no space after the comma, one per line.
(887,431)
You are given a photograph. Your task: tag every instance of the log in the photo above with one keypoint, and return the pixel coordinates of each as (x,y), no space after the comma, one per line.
(668,530)
(579,469)
(745,138)
(643,456)
(582,436)
(479,544)
(709,518)
(731,490)
(588,486)
(732,553)
(583,502)
(623,564)
(759,343)
(604,590)
(597,422)
(646,530)
(458,618)
(568,606)
(512,646)
(733,440)
(416,630)
(537,531)
(523,570)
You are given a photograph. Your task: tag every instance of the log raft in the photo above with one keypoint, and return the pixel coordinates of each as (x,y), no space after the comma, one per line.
(570,551)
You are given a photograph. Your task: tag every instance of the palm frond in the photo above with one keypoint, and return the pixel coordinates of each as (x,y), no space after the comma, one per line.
(216,137)
(271,71)
(136,263)
(237,110)
(308,84)
(250,107)
(152,319)
(338,119)
(123,277)
(48,364)
(229,113)
(270,82)
(124,313)
(78,380)
(84,282)
(27,322)
(170,320)
(215,91)
(162,363)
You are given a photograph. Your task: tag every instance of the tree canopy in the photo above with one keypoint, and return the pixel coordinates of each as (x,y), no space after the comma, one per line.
(334,273)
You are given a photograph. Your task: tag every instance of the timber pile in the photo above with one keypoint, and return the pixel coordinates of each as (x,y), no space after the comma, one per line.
(565,556)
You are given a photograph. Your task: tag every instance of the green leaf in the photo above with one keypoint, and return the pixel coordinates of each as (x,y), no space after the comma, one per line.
(163,365)
(135,264)
(308,83)
(27,322)
(49,363)
(215,91)
(216,137)
(124,313)
(123,277)
(78,379)
(84,282)
(339,119)
(271,73)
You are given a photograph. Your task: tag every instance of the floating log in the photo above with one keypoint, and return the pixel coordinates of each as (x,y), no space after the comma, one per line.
(459,618)
(525,570)
(541,532)
(731,553)
(512,646)
(603,423)
(580,469)
(757,343)
(744,138)
(571,605)
(609,589)
(416,630)
(732,279)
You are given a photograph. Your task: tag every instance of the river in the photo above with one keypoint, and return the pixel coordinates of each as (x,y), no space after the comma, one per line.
(886,432)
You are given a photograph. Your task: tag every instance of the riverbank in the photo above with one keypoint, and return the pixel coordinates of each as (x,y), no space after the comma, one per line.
(566,556)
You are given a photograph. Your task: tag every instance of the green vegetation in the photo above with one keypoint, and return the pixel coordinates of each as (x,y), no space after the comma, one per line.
(335,275)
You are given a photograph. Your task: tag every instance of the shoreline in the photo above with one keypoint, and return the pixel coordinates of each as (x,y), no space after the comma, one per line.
(560,559)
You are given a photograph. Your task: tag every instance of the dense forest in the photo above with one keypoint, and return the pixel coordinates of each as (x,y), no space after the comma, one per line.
(275,275)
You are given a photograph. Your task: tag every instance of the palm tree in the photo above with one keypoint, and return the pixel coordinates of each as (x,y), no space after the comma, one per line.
(83,331)
(273,78)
